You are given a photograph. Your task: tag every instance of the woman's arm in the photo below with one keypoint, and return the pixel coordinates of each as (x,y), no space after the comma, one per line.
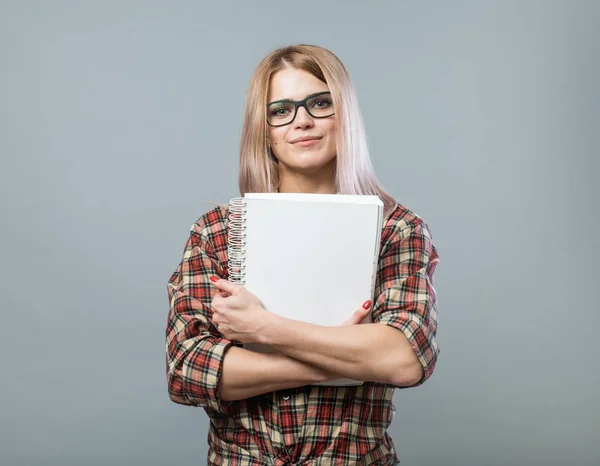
(370,352)
(399,348)
(246,374)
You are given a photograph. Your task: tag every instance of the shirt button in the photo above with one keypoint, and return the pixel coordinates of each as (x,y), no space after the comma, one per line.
(285,396)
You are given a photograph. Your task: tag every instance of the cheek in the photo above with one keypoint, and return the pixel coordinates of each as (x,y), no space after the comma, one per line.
(330,126)
(276,136)
(332,134)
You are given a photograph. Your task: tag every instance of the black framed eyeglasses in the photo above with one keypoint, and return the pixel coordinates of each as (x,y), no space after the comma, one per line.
(283,112)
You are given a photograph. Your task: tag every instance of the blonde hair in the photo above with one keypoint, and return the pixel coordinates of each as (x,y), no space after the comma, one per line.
(259,169)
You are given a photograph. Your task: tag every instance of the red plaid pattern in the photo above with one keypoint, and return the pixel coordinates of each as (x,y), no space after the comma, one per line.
(313,424)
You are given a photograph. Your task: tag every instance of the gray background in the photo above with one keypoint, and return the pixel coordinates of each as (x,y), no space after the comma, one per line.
(117,119)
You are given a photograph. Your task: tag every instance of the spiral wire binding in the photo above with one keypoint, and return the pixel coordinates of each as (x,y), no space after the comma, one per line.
(236,241)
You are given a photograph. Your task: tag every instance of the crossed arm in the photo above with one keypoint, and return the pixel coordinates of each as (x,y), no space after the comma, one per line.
(338,356)
(370,352)
(205,369)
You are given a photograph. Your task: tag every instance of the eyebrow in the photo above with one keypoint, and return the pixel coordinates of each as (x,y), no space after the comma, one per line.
(287,99)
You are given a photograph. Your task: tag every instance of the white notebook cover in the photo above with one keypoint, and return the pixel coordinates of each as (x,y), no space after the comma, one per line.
(312,257)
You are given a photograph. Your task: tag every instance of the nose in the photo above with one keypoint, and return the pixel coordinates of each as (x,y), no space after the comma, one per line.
(303,119)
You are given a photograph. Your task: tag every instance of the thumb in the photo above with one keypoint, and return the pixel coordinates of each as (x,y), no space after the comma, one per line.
(223,285)
(358,315)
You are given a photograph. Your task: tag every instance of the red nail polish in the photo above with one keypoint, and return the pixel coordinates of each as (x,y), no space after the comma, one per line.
(214,279)
(367,304)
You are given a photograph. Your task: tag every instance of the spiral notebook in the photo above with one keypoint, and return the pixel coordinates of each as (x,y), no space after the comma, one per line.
(308,257)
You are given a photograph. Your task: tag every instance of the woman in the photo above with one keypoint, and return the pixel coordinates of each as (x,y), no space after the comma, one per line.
(302,133)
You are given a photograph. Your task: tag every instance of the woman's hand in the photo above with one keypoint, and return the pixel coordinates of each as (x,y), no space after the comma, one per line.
(238,314)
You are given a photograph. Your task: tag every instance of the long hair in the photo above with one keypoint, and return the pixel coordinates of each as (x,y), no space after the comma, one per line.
(259,171)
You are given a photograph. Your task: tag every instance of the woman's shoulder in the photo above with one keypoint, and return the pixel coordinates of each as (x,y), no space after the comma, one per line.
(212,223)
(400,218)
(403,223)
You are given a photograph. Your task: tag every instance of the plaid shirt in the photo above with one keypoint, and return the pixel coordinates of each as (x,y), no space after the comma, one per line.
(310,425)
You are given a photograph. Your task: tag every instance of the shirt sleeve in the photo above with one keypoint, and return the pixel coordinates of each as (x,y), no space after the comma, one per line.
(405,293)
(194,347)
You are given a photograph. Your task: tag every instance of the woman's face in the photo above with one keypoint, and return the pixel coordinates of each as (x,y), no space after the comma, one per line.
(307,145)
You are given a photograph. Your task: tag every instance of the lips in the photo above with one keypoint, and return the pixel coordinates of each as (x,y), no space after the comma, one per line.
(305,138)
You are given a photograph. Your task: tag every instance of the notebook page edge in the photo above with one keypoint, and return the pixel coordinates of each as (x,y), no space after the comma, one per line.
(313,197)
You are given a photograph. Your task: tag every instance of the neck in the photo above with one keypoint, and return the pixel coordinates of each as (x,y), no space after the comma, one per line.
(318,183)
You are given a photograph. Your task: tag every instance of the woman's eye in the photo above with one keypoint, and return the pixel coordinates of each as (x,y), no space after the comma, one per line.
(322,104)
(279,112)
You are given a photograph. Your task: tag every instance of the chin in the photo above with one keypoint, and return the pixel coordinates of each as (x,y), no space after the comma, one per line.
(307,161)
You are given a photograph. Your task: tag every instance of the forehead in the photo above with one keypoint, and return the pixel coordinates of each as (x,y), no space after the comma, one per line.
(295,84)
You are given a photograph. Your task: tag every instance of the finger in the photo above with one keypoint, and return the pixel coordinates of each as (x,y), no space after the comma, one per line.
(361,313)
(222,328)
(219,318)
(350,320)
(221,295)
(223,285)
(225,330)
(236,302)
(356,317)
(365,310)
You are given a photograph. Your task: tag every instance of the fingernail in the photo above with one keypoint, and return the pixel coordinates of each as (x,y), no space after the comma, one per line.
(214,279)
(367,304)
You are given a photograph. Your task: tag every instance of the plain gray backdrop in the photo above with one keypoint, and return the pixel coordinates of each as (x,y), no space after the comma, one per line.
(118,118)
